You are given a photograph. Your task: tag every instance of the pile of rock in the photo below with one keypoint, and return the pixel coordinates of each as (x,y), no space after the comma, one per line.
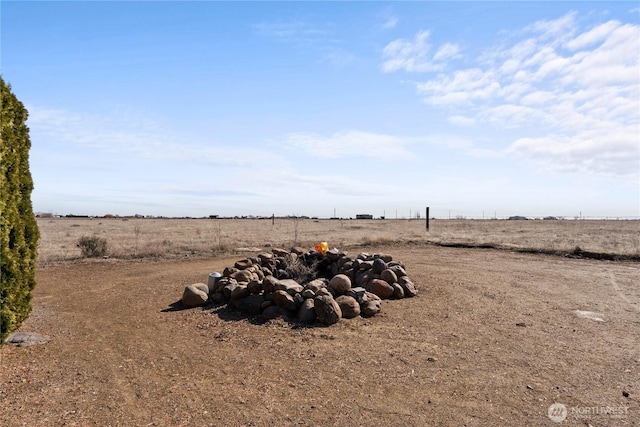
(305,286)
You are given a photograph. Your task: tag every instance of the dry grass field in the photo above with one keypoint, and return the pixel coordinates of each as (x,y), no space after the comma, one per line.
(171,238)
(494,338)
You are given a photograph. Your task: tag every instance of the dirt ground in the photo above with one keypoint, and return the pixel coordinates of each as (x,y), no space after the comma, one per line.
(494,338)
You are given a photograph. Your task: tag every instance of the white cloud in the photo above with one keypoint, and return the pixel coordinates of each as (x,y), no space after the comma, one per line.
(592,36)
(129,134)
(571,92)
(415,55)
(338,57)
(349,143)
(462,120)
(290,30)
(555,29)
(599,151)
(391,22)
(448,50)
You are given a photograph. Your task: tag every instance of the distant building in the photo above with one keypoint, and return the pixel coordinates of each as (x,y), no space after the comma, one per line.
(364,216)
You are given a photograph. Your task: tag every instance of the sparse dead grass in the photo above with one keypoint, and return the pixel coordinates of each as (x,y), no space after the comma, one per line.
(175,238)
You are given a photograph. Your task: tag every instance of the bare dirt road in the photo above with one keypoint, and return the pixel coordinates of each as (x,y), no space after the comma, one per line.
(494,338)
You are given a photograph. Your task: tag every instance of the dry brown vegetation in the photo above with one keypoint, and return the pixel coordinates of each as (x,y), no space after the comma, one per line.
(170,238)
(494,337)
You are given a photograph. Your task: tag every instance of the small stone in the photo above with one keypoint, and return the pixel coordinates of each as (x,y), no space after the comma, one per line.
(366,265)
(265,257)
(340,284)
(345,263)
(357,293)
(398,292)
(282,274)
(334,254)
(238,292)
(368,296)
(364,277)
(298,250)
(408,287)
(289,285)
(381,288)
(255,286)
(269,283)
(307,312)
(24,339)
(308,293)
(251,305)
(316,284)
(349,306)
(279,252)
(272,312)
(625,393)
(384,257)
(229,287)
(325,292)
(398,270)
(242,276)
(228,271)
(370,308)
(217,298)
(327,310)
(195,295)
(242,264)
(389,276)
(378,266)
(283,299)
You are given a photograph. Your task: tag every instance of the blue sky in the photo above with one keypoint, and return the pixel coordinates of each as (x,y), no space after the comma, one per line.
(300,108)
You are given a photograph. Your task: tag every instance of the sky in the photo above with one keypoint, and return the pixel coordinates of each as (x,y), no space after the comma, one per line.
(475,109)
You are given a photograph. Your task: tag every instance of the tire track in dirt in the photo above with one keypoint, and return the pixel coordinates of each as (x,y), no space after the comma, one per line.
(614,283)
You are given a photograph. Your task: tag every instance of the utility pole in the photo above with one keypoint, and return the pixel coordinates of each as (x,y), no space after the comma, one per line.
(427,215)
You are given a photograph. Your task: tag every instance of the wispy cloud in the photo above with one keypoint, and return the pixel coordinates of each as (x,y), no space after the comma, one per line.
(416,55)
(390,22)
(571,92)
(317,37)
(349,143)
(130,134)
(291,30)
(338,57)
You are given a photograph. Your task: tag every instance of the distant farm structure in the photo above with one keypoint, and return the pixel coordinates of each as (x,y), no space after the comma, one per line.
(364,216)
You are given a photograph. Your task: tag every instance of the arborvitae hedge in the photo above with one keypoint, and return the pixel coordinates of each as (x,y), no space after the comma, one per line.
(18,228)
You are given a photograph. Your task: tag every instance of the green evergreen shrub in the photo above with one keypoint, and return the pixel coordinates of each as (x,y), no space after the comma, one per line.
(18,228)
